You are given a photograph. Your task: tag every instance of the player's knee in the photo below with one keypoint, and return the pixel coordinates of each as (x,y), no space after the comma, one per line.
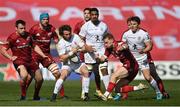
(64,74)
(103,68)
(53,68)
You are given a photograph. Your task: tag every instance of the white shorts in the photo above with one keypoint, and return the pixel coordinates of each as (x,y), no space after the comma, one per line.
(143,62)
(73,67)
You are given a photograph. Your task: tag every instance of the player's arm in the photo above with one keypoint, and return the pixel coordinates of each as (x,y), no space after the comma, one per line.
(104,57)
(68,55)
(148,44)
(4,51)
(63,55)
(82,35)
(38,50)
(147,48)
(122,46)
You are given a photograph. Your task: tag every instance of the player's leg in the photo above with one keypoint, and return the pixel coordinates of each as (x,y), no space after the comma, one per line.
(122,89)
(95,70)
(158,80)
(23,77)
(152,82)
(118,74)
(105,75)
(38,84)
(64,73)
(85,81)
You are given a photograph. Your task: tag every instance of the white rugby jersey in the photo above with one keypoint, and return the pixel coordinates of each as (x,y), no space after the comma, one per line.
(93,36)
(136,41)
(64,47)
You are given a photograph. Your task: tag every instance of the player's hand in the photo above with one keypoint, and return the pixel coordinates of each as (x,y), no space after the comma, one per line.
(120,48)
(90,48)
(140,51)
(47,58)
(13,58)
(103,58)
(74,50)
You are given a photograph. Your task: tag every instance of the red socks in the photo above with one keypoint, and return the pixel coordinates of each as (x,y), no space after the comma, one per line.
(126,88)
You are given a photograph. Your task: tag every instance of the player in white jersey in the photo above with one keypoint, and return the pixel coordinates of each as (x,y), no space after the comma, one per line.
(139,44)
(68,48)
(92,32)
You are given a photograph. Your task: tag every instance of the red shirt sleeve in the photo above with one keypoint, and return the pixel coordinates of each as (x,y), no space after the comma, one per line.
(55,36)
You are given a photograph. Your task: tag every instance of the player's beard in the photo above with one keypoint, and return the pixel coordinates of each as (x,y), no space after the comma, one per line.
(23,34)
(47,27)
(95,22)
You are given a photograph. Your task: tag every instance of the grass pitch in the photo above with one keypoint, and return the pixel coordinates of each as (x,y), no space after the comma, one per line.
(10,94)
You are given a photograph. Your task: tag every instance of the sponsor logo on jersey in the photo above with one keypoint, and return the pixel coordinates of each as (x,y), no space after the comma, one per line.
(17,41)
(37,34)
(50,33)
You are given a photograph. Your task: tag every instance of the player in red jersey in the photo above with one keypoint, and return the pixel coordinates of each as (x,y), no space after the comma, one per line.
(130,67)
(42,33)
(20,43)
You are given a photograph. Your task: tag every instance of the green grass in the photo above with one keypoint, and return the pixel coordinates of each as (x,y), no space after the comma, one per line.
(9,95)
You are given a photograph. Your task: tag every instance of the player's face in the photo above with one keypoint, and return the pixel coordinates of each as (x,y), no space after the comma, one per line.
(108,43)
(134,26)
(21,29)
(87,15)
(129,24)
(45,21)
(94,16)
(67,35)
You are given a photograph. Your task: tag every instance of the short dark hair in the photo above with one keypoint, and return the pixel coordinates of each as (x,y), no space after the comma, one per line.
(95,9)
(63,28)
(128,19)
(89,9)
(136,19)
(108,35)
(20,22)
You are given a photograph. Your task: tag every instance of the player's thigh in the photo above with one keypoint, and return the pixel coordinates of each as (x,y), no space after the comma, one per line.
(146,74)
(38,75)
(54,69)
(122,72)
(22,71)
(65,72)
(84,70)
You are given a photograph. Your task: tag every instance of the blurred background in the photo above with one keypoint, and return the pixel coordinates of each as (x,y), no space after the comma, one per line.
(161,18)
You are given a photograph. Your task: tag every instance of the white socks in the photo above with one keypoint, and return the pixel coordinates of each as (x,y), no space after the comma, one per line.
(106,80)
(58,86)
(85,84)
(155,86)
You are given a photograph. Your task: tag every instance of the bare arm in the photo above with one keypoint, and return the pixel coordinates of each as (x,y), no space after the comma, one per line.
(68,55)
(39,51)
(3,51)
(148,47)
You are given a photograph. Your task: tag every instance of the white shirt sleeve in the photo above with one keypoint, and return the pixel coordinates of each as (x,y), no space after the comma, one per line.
(60,48)
(79,42)
(83,31)
(146,37)
(124,37)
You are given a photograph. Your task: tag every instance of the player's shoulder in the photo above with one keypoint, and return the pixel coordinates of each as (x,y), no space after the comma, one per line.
(75,35)
(52,27)
(12,35)
(36,26)
(87,23)
(127,31)
(80,23)
(143,32)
